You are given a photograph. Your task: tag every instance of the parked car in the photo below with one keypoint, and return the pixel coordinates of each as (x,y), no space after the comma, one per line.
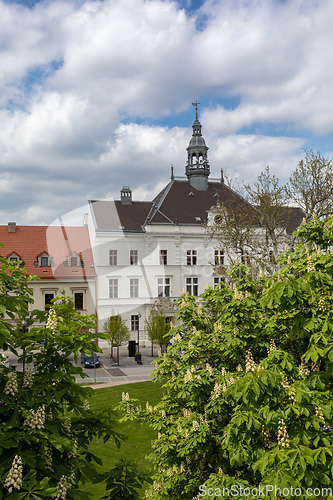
(91,360)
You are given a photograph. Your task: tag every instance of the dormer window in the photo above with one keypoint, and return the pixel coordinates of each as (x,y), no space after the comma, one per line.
(43,260)
(73,261)
(14,258)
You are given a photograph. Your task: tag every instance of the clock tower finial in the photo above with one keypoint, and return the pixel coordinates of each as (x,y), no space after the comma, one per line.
(196,108)
(197,168)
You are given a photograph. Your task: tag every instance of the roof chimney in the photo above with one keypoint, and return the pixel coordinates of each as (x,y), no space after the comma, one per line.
(12,227)
(126,196)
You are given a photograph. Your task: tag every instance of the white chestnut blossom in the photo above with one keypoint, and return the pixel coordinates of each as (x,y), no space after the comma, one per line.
(319,413)
(63,486)
(11,386)
(67,424)
(15,474)
(36,419)
(48,459)
(52,320)
(250,365)
(283,438)
(28,378)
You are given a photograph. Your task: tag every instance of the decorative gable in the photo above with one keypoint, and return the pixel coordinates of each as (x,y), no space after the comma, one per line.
(14,257)
(43,260)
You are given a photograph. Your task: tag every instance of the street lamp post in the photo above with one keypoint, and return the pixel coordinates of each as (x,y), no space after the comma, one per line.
(139,316)
(24,330)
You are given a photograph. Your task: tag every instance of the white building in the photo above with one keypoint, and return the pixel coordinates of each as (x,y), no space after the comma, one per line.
(147,253)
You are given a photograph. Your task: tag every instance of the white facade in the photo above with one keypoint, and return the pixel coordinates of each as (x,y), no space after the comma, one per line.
(148,253)
(170,258)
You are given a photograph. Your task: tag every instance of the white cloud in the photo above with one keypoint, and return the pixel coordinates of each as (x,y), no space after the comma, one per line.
(84,85)
(246,156)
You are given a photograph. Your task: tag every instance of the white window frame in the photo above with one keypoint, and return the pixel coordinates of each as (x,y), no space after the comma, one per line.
(219,257)
(44,256)
(113,258)
(192,285)
(218,280)
(164,286)
(134,322)
(191,257)
(71,259)
(113,288)
(82,293)
(134,288)
(163,257)
(134,257)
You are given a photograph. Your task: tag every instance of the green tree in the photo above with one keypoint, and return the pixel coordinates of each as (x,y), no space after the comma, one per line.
(45,421)
(158,328)
(124,481)
(311,185)
(254,226)
(248,383)
(116,330)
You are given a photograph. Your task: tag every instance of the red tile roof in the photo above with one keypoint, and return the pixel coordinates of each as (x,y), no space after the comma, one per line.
(59,243)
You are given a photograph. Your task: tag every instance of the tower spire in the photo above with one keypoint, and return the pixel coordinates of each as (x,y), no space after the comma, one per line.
(196,108)
(197,168)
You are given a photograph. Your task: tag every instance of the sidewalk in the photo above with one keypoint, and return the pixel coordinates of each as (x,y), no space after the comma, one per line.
(128,370)
(110,373)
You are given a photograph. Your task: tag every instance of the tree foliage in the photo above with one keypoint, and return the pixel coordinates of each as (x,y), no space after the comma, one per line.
(45,421)
(311,185)
(257,229)
(248,382)
(116,330)
(157,327)
(254,227)
(124,481)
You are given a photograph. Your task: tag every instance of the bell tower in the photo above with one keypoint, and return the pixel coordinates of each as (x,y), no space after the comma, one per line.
(197,167)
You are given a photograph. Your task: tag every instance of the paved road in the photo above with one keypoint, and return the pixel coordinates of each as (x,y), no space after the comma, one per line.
(109,372)
(127,371)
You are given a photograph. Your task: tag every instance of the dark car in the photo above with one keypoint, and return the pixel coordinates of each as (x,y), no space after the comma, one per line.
(90,361)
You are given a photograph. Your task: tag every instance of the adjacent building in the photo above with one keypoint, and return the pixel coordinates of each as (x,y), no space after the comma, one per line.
(59,257)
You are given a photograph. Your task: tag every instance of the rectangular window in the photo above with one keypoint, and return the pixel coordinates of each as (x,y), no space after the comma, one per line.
(163,287)
(133,257)
(134,287)
(163,257)
(134,322)
(78,300)
(192,286)
(44,261)
(191,257)
(113,288)
(13,259)
(113,257)
(73,262)
(219,257)
(48,298)
(218,280)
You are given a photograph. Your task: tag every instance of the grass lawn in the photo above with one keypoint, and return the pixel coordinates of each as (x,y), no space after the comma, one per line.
(139,436)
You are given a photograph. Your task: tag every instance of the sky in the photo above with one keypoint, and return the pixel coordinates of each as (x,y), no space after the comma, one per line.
(97,95)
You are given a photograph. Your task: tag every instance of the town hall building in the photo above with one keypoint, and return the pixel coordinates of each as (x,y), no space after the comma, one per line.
(146,253)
